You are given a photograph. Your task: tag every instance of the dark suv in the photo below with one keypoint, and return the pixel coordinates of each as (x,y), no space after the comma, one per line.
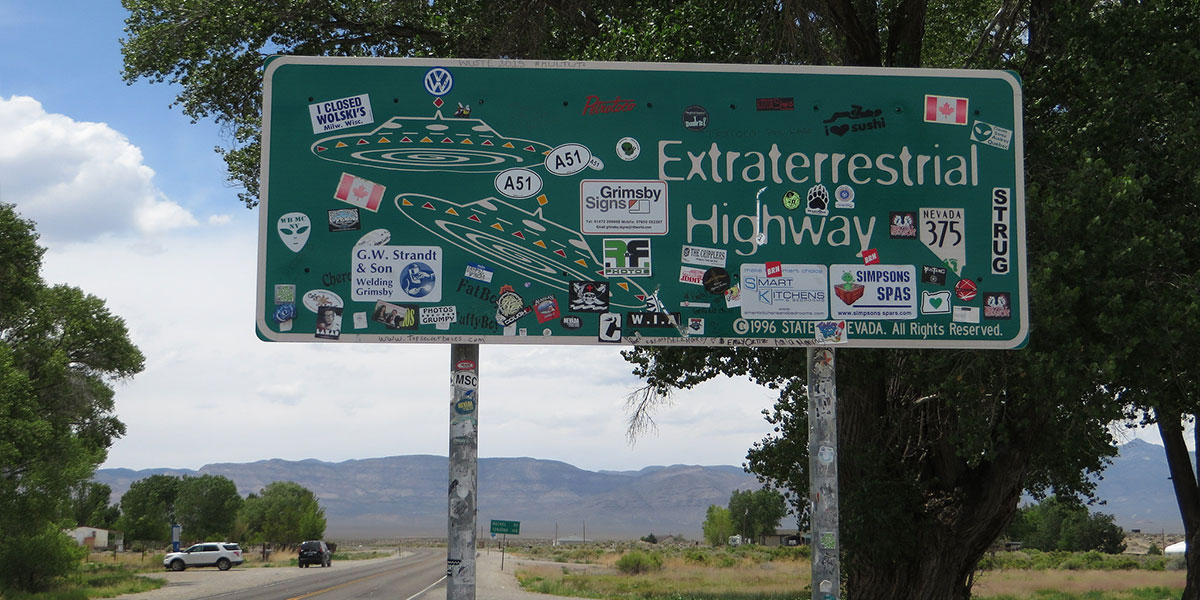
(315,552)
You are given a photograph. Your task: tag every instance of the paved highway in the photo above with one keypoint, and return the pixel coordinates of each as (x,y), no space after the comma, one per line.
(406,577)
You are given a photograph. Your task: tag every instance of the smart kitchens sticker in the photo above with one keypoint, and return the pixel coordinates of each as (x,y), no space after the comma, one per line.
(341,113)
(617,206)
(799,292)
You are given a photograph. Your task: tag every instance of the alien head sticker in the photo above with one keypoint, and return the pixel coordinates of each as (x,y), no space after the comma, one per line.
(293,229)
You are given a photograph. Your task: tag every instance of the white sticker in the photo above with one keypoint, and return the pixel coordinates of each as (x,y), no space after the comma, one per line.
(966,314)
(873,291)
(623,206)
(708,257)
(397,273)
(441,316)
(568,159)
(992,135)
(797,292)
(943,231)
(341,113)
(294,228)
(935,303)
(1000,232)
(628,148)
(376,237)
(518,183)
(314,299)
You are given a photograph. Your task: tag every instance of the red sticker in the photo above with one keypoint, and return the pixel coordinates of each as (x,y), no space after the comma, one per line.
(464,365)
(774,268)
(870,257)
(965,290)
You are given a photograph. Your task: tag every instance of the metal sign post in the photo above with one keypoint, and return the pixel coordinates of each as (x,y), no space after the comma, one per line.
(464,471)
(505,528)
(823,474)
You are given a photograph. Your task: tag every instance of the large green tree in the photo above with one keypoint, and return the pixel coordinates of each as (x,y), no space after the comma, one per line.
(207,506)
(1120,174)
(90,507)
(756,513)
(60,352)
(718,525)
(148,509)
(284,513)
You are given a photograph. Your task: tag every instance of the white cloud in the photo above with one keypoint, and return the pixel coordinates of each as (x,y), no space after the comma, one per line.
(78,181)
(188,299)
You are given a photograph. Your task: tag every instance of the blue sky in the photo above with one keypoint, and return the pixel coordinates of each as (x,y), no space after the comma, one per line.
(133,206)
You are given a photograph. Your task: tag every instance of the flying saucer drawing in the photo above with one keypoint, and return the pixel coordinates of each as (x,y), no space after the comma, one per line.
(521,240)
(434,143)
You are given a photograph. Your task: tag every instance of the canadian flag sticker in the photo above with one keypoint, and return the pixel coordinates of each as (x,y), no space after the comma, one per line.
(945,109)
(359,192)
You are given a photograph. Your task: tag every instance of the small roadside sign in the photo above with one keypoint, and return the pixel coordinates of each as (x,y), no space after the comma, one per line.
(508,527)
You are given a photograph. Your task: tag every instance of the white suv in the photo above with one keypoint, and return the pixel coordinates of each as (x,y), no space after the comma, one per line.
(221,555)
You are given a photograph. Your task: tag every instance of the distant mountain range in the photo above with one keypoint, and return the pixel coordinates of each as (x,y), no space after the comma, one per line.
(406,495)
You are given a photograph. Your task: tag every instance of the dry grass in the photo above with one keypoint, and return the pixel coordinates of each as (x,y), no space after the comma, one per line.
(152,561)
(781,578)
(1027,583)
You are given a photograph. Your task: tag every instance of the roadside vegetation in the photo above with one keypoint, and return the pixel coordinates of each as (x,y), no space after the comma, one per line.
(93,580)
(686,571)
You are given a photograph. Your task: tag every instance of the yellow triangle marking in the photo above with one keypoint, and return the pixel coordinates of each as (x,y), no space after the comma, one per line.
(426,140)
(540,244)
(340,145)
(384,140)
(508,145)
(497,226)
(624,286)
(581,262)
(467,141)
(406,202)
(451,211)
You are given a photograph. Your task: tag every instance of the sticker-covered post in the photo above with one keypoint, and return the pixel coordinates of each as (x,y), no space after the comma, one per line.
(823,474)
(464,471)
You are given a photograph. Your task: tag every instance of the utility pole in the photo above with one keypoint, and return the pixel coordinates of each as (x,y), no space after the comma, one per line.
(464,472)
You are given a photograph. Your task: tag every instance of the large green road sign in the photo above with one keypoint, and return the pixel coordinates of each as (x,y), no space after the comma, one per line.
(472,201)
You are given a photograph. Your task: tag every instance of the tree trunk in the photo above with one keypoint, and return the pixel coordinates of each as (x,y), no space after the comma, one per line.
(1187,494)
(933,514)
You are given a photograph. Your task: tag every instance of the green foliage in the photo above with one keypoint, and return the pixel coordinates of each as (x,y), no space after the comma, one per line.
(284,513)
(718,525)
(636,562)
(1036,560)
(756,513)
(32,562)
(1154,550)
(207,507)
(148,509)
(650,539)
(60,352)
(90,507)
(1054,524)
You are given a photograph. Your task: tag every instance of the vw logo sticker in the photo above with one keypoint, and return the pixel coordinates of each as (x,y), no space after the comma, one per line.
(438,81)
